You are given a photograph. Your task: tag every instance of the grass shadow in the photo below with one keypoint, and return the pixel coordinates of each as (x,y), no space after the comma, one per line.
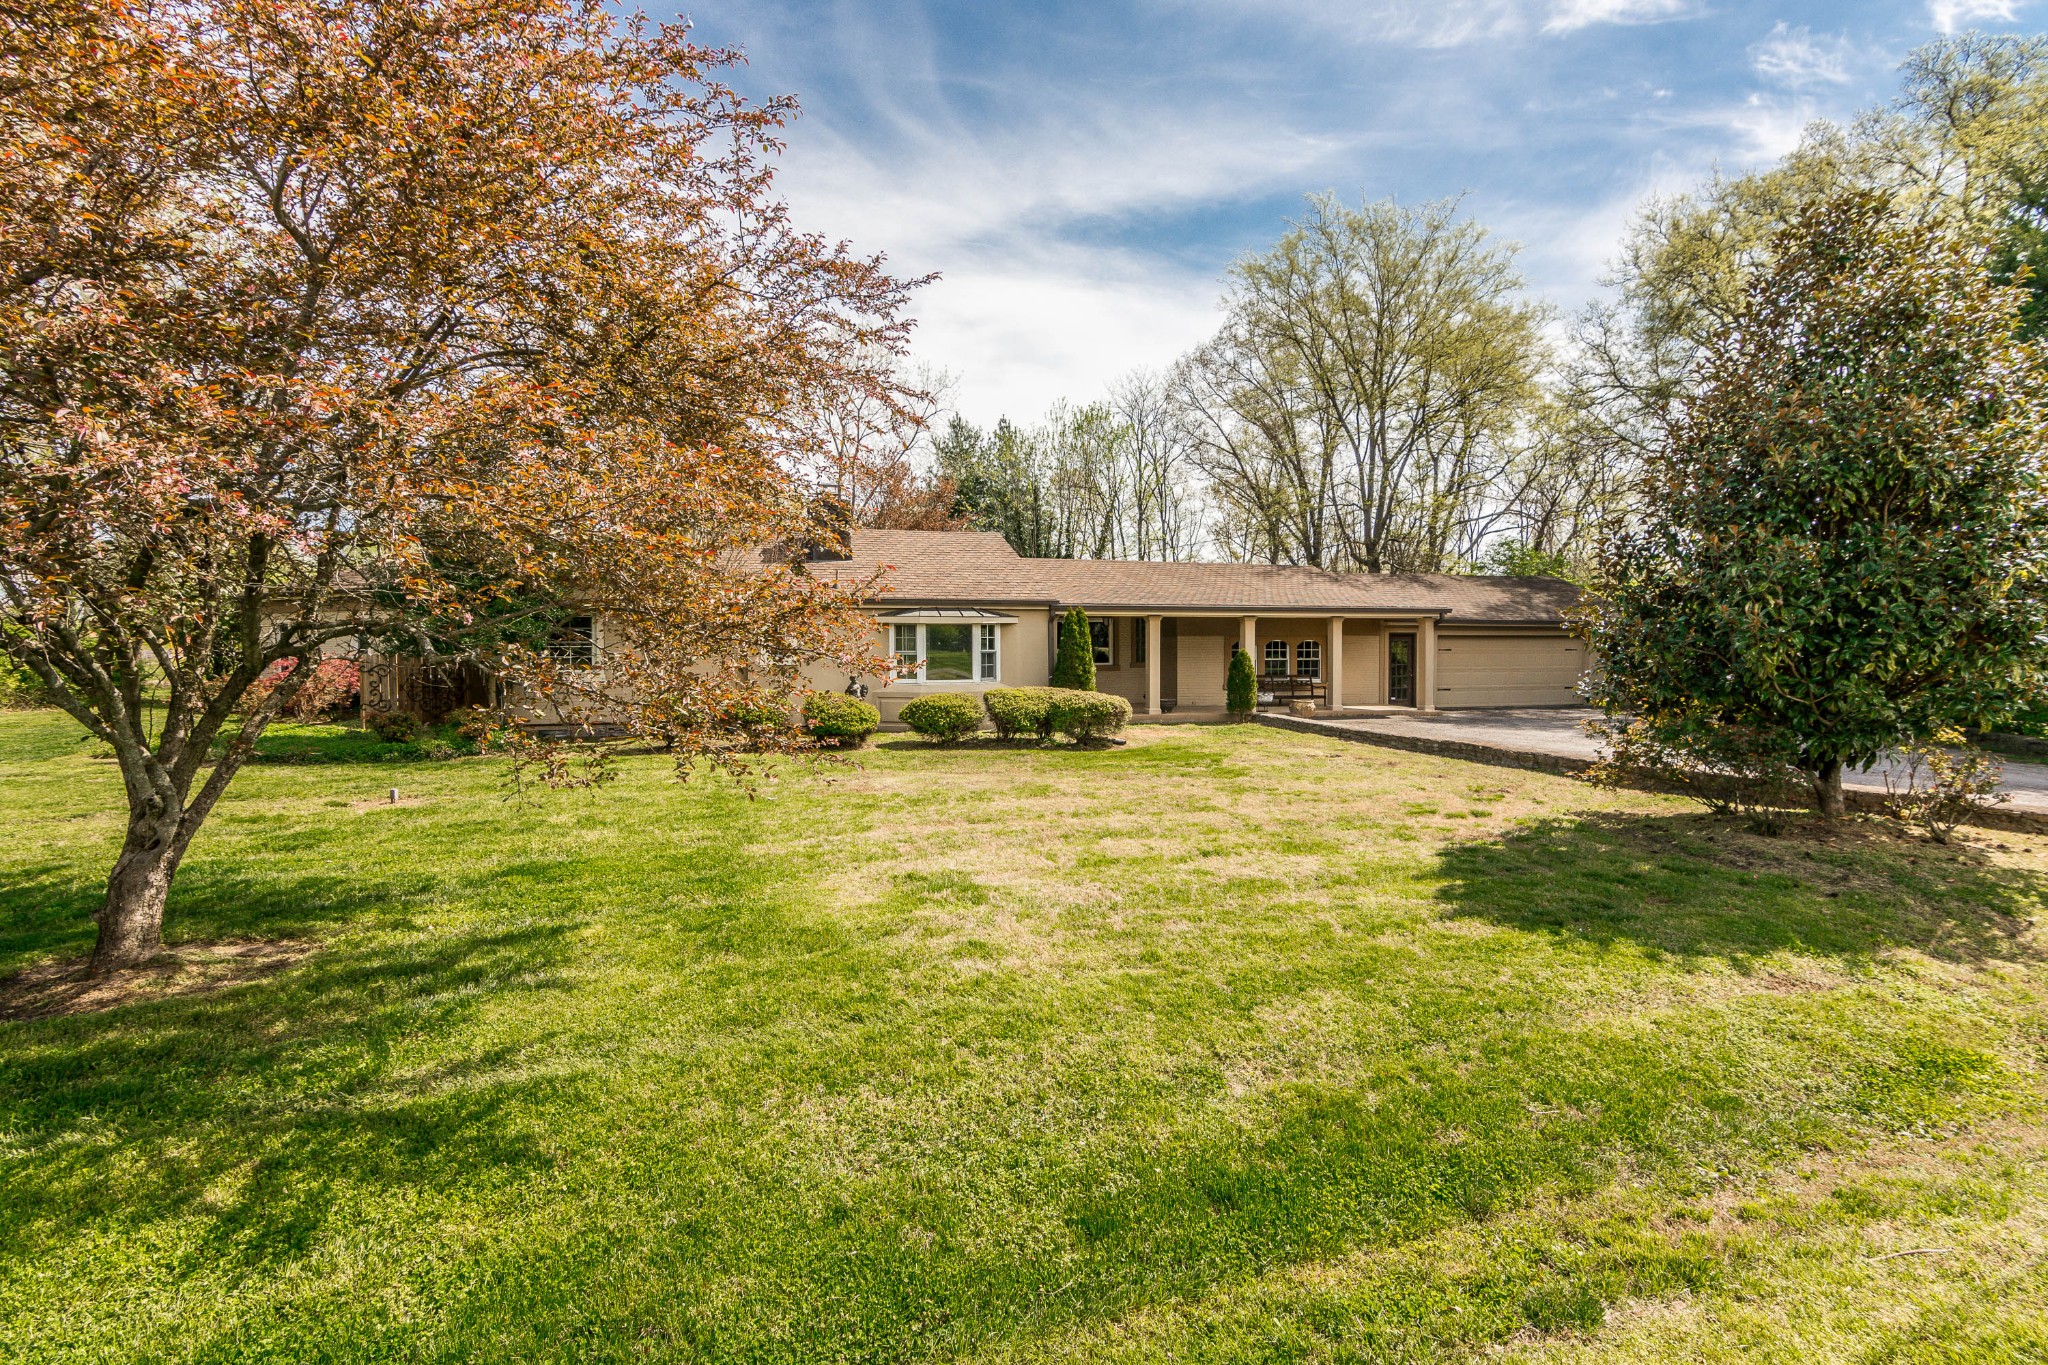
(256,1106)
(1697,887)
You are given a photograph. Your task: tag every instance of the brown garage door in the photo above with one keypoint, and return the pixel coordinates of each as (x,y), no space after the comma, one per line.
(1508,670)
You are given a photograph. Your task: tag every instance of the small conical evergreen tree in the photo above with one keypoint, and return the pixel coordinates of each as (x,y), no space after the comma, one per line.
(1241,691)
(1075,665)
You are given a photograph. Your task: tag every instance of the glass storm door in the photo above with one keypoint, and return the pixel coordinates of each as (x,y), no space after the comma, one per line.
(1401,669)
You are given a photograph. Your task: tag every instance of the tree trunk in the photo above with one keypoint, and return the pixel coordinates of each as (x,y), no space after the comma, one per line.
(1827,789)
(132,918)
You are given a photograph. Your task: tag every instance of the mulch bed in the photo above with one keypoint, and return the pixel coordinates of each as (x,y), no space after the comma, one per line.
(62,987)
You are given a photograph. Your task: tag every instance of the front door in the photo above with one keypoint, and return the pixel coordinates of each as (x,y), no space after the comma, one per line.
(1401,669)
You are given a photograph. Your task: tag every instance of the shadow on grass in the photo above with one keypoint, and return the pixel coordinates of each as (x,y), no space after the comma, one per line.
(301,1085)
(989,744)
(47,910)
(1692,886)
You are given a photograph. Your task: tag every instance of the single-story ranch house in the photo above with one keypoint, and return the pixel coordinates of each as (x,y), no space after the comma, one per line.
(966,612)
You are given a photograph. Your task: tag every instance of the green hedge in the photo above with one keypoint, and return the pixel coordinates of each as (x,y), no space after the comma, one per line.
(1082,716)
(1020,711)
(943,715)
(836,716)
(1046,711)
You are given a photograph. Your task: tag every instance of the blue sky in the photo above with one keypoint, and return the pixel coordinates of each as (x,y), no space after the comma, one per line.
(1081,174)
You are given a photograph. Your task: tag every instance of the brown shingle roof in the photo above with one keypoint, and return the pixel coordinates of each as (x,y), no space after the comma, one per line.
(980,568)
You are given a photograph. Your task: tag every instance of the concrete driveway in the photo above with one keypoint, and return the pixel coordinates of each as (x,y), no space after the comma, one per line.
(1560,732)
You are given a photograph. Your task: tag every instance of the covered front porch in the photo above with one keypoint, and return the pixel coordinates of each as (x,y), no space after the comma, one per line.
(1175,666)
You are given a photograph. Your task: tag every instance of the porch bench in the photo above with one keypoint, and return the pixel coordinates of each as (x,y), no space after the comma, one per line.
(1291,689)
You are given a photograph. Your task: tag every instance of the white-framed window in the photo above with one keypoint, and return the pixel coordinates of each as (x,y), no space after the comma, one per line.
(989,659)
(1308,659)
(946,651)
(1102,635)
(574,643)
(1276,658)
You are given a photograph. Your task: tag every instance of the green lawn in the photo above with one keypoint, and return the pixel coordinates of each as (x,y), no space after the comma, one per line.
(1230,1045)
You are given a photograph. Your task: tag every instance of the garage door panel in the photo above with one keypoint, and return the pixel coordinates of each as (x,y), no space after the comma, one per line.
(1479,670)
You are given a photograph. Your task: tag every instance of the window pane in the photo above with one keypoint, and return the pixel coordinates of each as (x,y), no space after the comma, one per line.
(906,648)
(1308,659)
(1140,632)
(988,653)
(1276,658)
(574,643)
(948,653)
(1098,635)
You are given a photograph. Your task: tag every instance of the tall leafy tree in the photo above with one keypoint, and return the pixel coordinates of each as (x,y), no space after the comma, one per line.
(326,320)
(1964,143)
(1841,548)
(2021,256)
(1363,403)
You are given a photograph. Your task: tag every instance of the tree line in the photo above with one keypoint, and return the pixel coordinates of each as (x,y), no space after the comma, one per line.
(1383,393)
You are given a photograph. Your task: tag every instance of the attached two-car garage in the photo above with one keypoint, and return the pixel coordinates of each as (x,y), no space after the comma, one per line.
(1495,668)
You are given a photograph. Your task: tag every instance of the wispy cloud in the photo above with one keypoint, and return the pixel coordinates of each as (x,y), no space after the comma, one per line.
(1081,173)
(1027,308)
(1950,16)
(1568,15)
(1798,57)
(1459,23)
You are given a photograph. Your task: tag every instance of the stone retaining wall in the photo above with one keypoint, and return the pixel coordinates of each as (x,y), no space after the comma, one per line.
(1995,817)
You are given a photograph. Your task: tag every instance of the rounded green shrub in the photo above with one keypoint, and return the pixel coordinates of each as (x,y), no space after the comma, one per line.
(396,727)
(837,718)
(1020,711)
(1083,716)
(19,687)
(943,715)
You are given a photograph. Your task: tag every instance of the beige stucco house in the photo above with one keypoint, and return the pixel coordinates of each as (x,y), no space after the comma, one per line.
(965,612)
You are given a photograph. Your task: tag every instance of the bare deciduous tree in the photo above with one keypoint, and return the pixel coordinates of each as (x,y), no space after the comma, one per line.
(1361,407)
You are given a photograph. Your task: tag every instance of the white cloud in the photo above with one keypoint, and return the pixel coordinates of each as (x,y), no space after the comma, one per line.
(1758,130)
(1027,309)
(1798,57)
(1951,15)
(1455,23)
(1568,15)
(1021,332)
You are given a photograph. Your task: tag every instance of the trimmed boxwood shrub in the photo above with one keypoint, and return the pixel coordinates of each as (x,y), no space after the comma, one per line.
(1082,716)
(1046,711)
(836,717)
(943,715)
(1018,711)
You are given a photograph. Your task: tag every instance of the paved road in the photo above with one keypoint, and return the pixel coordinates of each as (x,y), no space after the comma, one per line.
(1560,731)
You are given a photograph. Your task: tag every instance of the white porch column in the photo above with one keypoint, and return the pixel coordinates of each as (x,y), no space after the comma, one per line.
(1250,634)
(1334,669)
(1425,664)
(1153,637)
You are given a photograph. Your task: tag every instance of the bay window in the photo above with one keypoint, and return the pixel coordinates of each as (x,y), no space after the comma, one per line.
(946,652)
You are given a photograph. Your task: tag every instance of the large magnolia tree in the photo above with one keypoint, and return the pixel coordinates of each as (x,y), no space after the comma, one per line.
(1844,543)
(336,322)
